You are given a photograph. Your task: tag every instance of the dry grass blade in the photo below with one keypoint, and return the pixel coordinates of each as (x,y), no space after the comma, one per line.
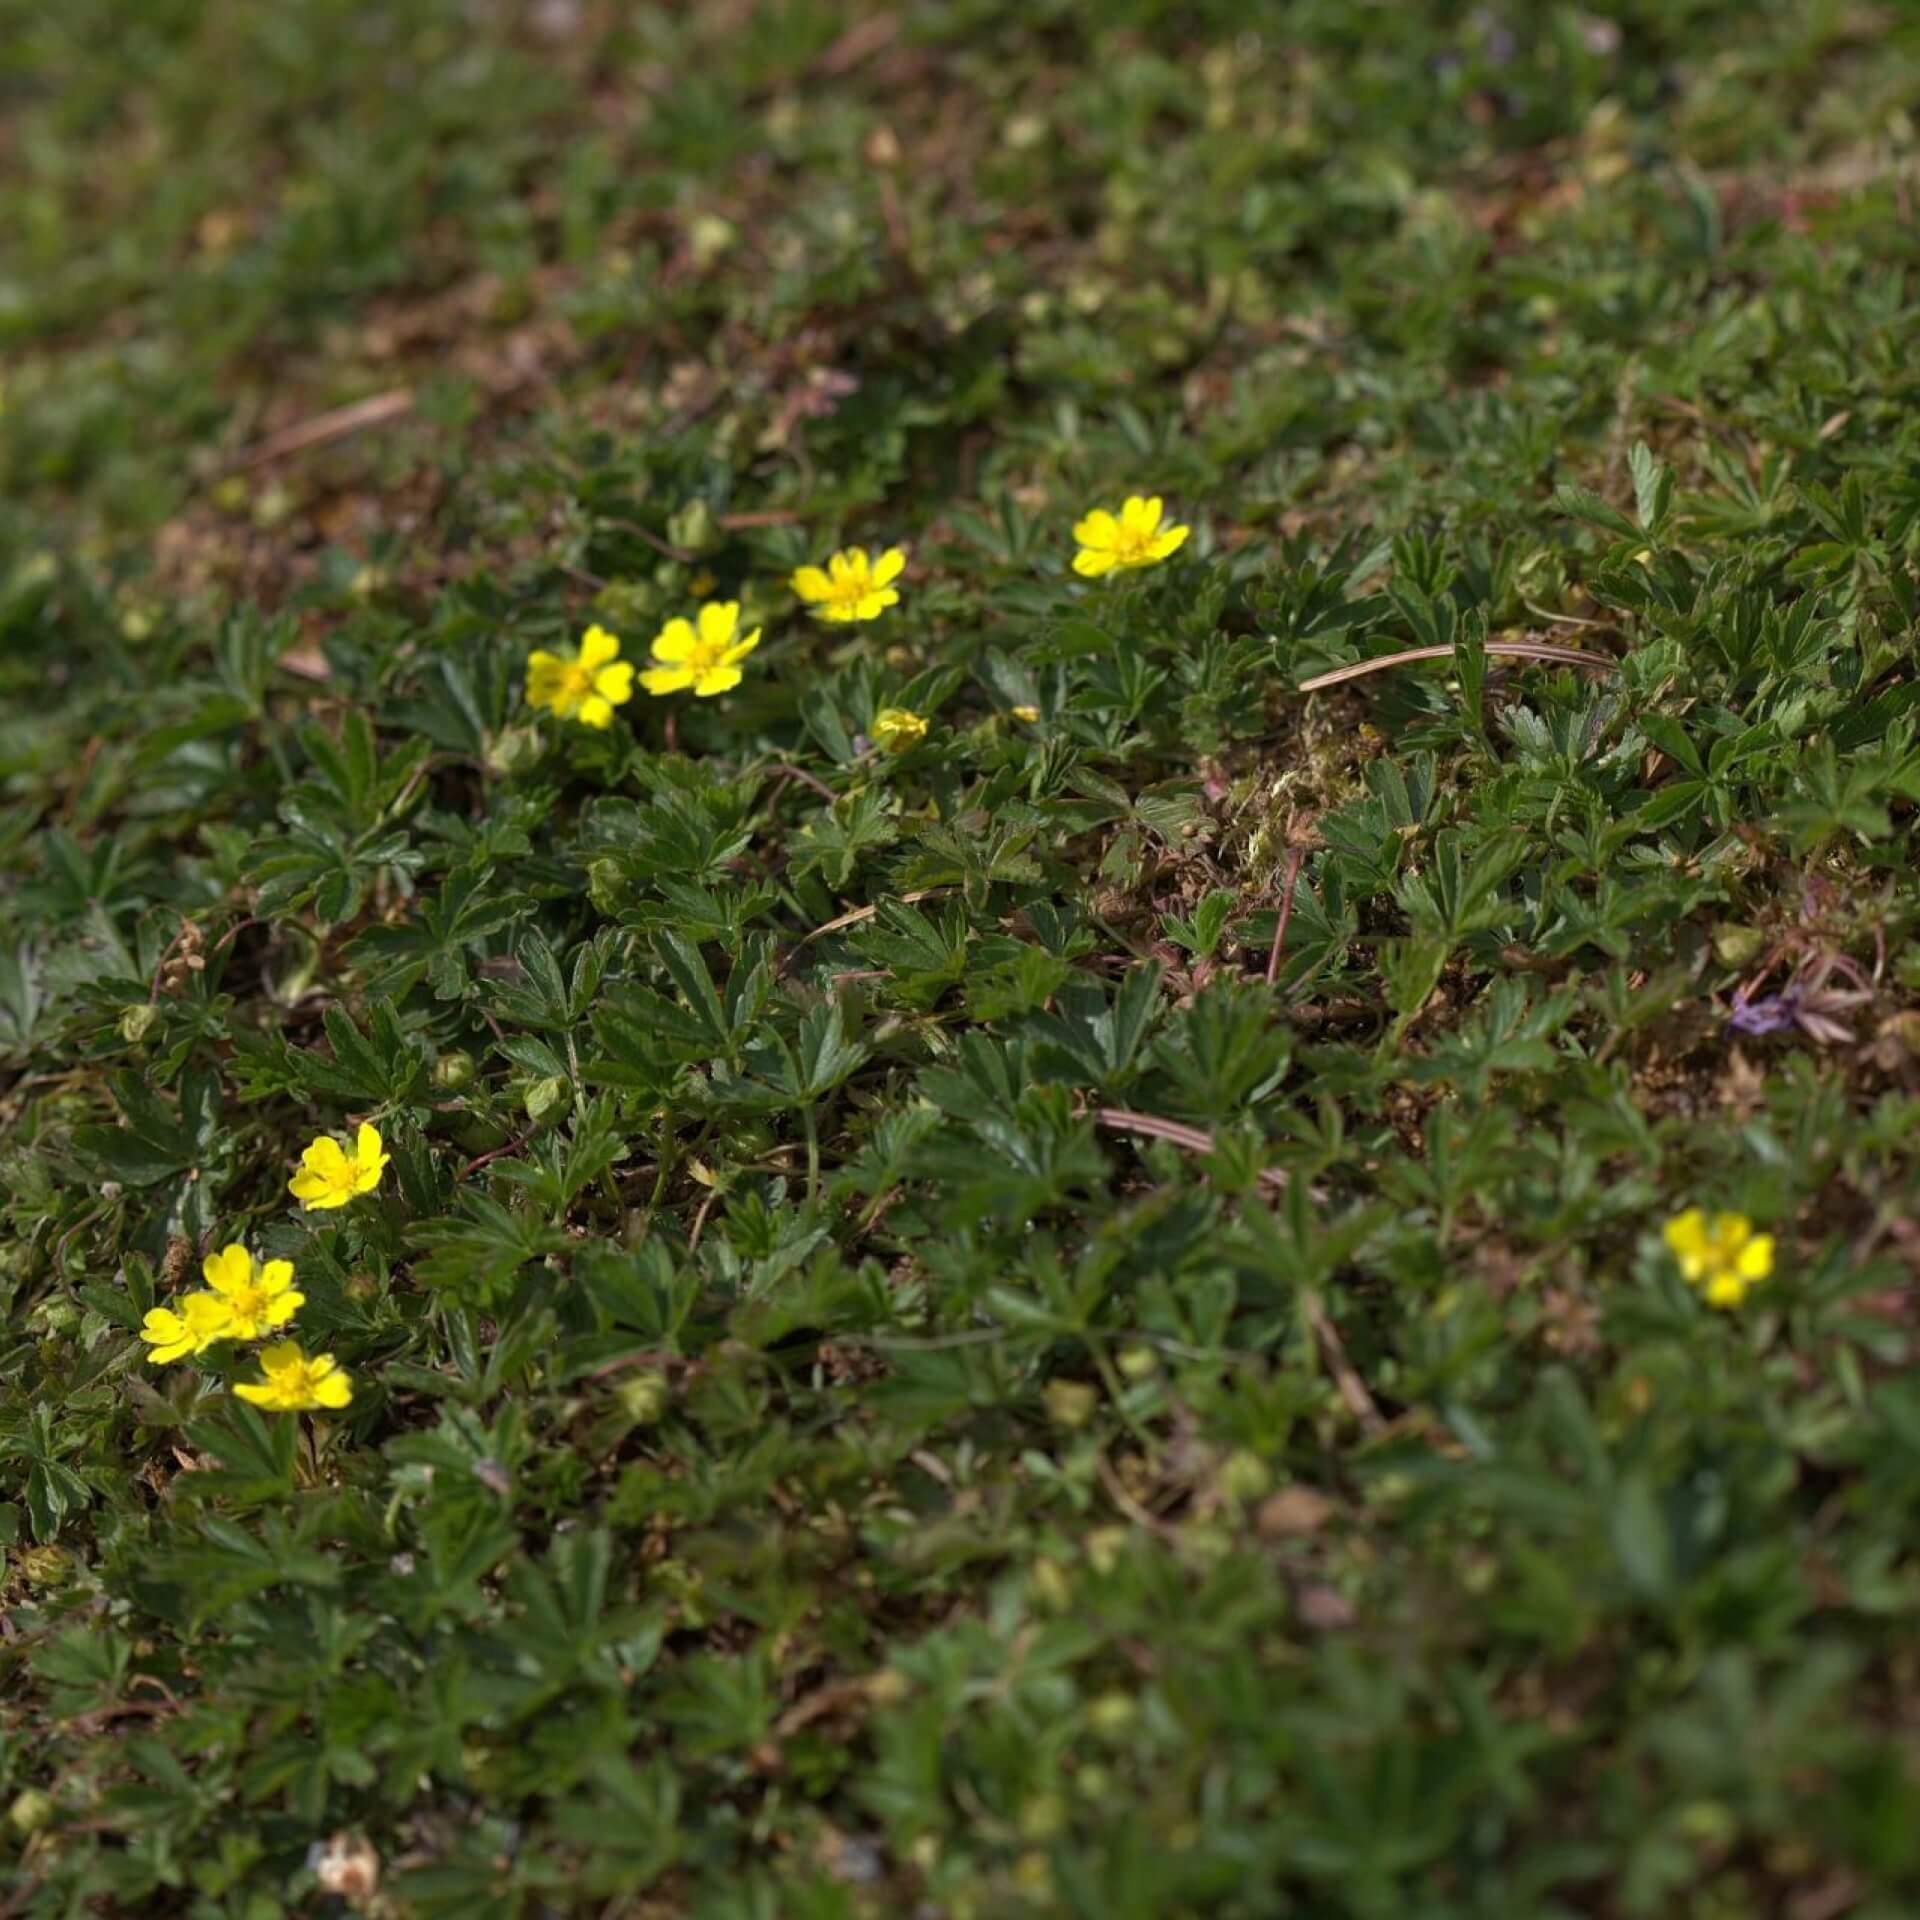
(323,427)
(1194,1139)
(1507,649)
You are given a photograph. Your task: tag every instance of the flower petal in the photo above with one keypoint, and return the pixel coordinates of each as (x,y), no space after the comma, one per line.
(546,674)
(718,679)
(276,1276)
(1141,517)
(1098,529)
(889,566)
(325,1157)
(740,649)
(597,647)
(1686,1232)
(811,584)
(667,679)
(1756,1257)
(673,643)
(1168,540)
(229,1270)
(1093,562)
(614,684)
(719,620)
(367,1145)
(595,712)
(336,1390)
(169,1336)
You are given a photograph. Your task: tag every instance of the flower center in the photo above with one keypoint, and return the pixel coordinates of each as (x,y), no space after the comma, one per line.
(250,1303)
(706,655)
(577,683)
(1131,543)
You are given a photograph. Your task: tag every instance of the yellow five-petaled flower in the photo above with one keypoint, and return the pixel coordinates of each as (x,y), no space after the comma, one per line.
(852,586)
(703,653)
(243,1301)
(1138,536)
(295,1383)
(587,687)
(329,1176)
(201,1319)
(895,729)
(1719,1253)
(257,1298)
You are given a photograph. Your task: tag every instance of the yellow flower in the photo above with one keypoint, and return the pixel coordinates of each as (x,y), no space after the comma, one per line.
(586,688)
(1137,537)
(707,659)
(203,1318)
(257,1299)
(295,1384)
(329,1176)
(851,586)
(1720,1254)
(1028,714)
(895,729)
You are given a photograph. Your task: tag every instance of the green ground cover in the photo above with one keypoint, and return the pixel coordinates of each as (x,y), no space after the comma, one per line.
(1115,1304)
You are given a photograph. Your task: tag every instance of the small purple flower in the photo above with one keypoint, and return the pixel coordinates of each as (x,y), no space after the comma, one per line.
(1774,1013)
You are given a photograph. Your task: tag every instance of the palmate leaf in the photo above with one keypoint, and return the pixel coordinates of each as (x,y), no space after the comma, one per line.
(1010,1161)
(157,1142)
(975,861)
(1509,1034)
(1220,1055)
(474,1254)
(353,785)
(834,842)
(436,940)
(463,697)
(255,1455)
(379,1068)
(23,1004)
(1091,1041)
(801,1071)
(315,865)
(53,1489)
(562,1166)
(691,836)
(550,996)
(225,1564)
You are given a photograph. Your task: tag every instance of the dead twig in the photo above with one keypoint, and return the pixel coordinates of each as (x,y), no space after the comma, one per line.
(497,1153)
(1295,857)
(786,770)
(1128,1505)
(1353,1390)
(765,517)
(861,41)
